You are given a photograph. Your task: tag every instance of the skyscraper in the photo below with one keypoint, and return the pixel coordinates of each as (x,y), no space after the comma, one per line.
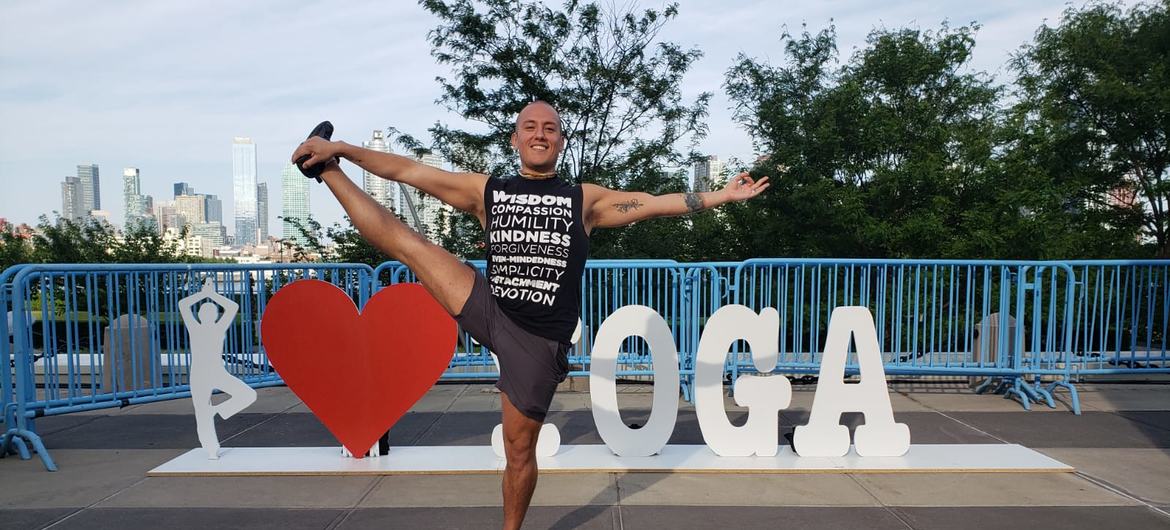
(378,187)
(707,171)
(244,189)
(71,199)
(294,203)
(262,210)
(213,209)
(191,207)
(427,206)
(182,188)
(91,188)
(132,198)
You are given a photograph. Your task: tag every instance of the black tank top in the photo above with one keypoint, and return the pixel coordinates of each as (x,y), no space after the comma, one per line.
(536,252)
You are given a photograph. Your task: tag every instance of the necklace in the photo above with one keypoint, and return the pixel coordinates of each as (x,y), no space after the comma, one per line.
(535,175)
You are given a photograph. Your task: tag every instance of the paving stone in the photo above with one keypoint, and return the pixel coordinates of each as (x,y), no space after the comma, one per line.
(925,427)
(84,476)
(154,431)
(1063,517)
(1126,397)
(200,519)
(707,517)
(1143,473)
(552,517)
(243,492)
(711,489)
(305,430)
(987,489)
(1090,429)
(553,489)
(31,518)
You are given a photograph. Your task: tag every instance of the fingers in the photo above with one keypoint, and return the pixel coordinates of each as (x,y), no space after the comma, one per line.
(300,151)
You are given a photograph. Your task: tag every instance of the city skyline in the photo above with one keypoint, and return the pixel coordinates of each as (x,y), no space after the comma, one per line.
(214,92)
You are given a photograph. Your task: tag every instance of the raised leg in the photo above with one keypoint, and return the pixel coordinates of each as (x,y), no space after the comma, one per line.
(241,395)
(441,273)
(520,436)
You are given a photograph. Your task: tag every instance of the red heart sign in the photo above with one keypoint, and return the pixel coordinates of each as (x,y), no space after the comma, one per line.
(358,373)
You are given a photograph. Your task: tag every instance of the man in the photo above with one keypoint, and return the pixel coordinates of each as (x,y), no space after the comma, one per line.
(537,230)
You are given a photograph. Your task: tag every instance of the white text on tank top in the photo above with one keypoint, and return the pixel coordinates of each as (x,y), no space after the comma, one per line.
(529,238)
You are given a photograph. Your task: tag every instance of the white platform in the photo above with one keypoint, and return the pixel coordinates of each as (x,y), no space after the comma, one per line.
(465,459)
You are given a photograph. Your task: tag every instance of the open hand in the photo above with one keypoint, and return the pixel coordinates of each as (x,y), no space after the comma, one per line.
(743,187)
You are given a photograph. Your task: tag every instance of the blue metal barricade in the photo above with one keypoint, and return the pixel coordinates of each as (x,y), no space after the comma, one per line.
(1121,312)
(94,336)
(606,286)
(99,336)
(7,373)
(933,317)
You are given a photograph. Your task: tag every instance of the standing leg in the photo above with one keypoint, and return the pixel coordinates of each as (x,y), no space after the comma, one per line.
(520,435)
(205,419)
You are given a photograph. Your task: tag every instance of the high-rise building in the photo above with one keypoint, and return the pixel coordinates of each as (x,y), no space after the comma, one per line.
(191,207)
(244,190)
(132,198)
(167,216)
(213,209)
(71,207)
(262,210)
(91,188)
(708,171)
(378,187)
(182,188)
(214,233)
(427,206)
(294,203)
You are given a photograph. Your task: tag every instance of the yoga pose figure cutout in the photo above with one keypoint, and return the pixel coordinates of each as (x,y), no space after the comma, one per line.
(207,371)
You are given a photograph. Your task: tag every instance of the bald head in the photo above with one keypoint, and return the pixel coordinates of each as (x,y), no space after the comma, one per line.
(538,137)
(530,108)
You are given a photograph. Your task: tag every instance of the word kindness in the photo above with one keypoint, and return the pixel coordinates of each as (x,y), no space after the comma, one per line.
(763,395)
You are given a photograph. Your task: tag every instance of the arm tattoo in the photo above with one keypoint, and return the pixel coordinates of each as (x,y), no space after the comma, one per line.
(694,202)
(631,204)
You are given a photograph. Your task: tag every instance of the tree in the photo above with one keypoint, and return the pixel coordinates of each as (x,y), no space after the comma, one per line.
(349,245)
(615,84)
(879,157)
(1094,95)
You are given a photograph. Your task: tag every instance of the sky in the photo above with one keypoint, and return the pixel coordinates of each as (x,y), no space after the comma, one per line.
(165,86)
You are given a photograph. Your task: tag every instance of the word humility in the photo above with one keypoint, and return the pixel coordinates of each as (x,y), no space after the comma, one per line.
(764,396)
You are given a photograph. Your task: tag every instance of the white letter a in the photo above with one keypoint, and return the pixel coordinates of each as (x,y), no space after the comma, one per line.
(824,435)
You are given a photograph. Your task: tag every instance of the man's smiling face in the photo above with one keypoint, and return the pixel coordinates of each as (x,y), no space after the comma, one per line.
(538,137)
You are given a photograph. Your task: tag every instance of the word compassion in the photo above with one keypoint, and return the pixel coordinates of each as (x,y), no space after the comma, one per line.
(764,396)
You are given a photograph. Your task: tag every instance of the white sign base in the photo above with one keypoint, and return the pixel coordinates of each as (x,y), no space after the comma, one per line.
(478,459)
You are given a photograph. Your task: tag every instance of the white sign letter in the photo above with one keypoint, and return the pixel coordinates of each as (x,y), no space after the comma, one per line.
(824,435)
(643,322)
(764,396)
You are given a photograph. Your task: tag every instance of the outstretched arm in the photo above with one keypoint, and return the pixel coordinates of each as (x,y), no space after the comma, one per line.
(461,190)
(606,208)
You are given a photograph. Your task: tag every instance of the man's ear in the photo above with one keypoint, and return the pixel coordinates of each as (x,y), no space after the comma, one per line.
(513,141)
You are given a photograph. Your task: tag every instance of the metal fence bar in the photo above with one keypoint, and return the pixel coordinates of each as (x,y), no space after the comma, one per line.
(99,336)
(1121,311)
(94,336)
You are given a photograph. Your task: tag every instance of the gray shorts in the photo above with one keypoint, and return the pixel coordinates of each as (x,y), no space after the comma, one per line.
(531,366)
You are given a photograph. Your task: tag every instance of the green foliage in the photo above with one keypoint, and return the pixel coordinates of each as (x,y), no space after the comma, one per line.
(1093,116)
(902,151)
(90,241)
(873,158)
(349,246)
(614,82)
